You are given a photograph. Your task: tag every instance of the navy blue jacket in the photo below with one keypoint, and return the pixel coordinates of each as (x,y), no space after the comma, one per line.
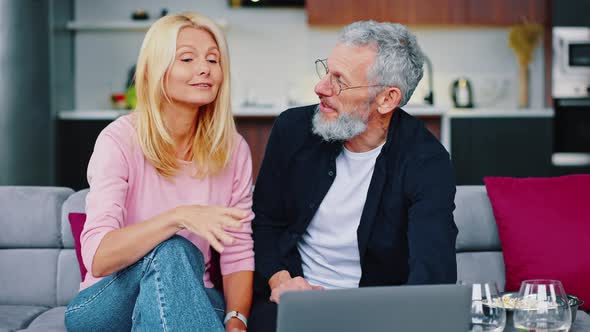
(406,233)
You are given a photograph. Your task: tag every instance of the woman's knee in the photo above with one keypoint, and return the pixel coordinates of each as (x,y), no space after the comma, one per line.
(178,248)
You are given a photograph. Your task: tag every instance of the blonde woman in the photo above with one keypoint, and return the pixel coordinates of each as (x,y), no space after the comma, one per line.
(167,183)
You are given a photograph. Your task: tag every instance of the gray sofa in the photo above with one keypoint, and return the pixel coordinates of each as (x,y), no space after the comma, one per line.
(39,271)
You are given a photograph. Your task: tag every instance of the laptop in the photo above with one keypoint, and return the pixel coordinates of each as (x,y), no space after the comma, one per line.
(422,308)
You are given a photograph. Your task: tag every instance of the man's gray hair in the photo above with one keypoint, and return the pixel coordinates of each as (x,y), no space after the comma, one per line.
(399,59)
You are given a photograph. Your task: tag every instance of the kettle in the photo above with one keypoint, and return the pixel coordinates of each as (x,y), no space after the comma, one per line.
(462,93)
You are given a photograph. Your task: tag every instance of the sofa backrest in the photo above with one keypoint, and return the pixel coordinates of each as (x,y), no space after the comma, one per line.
(479,252)
(68,286)
(38,264)
(33,259)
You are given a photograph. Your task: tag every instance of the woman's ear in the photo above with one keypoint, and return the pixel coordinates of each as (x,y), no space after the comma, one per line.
(388,99)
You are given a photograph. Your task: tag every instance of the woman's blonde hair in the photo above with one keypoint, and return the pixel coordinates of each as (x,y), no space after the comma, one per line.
(215,128)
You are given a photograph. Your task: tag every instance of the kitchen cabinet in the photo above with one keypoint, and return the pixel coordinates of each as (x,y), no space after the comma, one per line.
(77,133)
(256,131)
(334,12)
(75,143)
(76,137)
(432,123)
(433,12)
(500,146)
(505,12)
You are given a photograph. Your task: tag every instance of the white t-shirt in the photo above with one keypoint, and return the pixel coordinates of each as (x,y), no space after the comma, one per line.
(329,247)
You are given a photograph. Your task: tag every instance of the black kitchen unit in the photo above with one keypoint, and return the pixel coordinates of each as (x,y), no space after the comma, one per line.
(572,125)
(515,146)
(571,136)
(75,143)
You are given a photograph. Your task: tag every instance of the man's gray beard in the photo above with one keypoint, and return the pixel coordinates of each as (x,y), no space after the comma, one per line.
(344,127)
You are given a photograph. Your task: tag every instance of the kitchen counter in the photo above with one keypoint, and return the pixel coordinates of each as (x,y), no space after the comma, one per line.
(91,114)
(78,129)
(499,113)
(416,110)
(253,123)
(487,113)
(496,142)
(442,127)
(238,111)
(113,114)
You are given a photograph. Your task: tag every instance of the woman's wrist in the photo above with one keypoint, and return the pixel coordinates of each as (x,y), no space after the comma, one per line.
(235,319)
(173,219)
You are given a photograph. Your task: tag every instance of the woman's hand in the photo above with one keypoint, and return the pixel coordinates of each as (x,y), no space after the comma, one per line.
(210,222)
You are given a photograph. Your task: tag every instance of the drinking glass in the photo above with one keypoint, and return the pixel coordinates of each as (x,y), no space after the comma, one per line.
(487,309)
(542,305)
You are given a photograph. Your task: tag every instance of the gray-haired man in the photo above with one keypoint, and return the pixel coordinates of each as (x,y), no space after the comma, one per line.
(354,191)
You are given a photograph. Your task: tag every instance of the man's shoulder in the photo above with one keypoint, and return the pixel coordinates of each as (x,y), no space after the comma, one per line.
(424,161)
(293,127)
(419,142)
(297,117)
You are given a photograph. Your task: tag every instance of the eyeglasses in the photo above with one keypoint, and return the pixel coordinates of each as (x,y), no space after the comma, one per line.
(321,67)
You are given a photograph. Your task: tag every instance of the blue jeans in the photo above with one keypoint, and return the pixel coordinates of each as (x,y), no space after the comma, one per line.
(163,291)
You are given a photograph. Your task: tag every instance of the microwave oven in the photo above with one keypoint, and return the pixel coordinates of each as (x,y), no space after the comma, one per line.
(571,62)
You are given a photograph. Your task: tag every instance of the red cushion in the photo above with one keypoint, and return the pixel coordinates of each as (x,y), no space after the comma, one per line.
(77,221)
(544,227)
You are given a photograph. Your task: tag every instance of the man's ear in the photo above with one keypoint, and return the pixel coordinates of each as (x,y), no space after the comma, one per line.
(388,99)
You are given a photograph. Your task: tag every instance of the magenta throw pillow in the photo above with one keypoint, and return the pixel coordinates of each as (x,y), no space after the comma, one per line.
(544,227)
(77,221)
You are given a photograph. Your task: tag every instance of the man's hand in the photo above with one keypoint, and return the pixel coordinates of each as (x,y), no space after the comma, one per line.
(290,284)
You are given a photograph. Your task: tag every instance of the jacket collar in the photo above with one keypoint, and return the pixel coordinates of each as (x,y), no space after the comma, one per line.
(373,201)
(393,126)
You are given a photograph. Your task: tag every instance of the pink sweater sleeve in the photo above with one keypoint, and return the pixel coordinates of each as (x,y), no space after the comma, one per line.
(108,174)
(240,255)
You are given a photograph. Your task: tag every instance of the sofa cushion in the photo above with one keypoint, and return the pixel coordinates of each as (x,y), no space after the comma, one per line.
(28,276)
(582,322)
(68,276)
(77,221)
(75,203)
(475,220)
(544,226)
(51,320)
(16,317)
(30,216)
(481,266)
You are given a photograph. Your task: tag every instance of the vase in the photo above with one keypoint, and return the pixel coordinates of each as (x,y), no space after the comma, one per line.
(523,86)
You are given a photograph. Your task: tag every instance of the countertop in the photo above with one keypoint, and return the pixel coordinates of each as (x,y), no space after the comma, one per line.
(238,111)
(445,114)
(416,110)
(500,113)
(113,114)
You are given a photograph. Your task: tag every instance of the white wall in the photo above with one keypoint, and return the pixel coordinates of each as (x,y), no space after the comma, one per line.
(272,53)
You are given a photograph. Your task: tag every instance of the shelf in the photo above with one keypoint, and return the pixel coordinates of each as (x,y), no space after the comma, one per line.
(120,25)
(109,114)
(110,25)
(91,114)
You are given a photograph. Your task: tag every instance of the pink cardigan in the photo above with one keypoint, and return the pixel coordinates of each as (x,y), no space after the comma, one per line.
(126,189)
